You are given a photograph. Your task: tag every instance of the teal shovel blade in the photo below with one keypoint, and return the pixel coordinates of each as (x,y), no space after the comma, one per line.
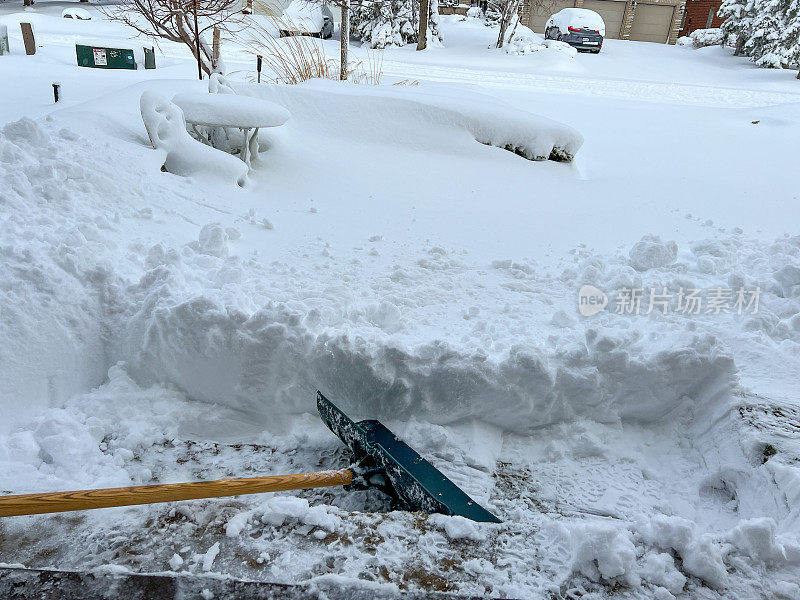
(416,482)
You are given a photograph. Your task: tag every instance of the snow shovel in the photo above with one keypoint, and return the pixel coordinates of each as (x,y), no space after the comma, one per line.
(381,460)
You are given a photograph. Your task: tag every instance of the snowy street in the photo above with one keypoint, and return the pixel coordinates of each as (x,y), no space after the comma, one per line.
(388,250)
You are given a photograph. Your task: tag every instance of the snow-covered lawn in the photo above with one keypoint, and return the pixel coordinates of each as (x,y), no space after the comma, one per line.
(157,328)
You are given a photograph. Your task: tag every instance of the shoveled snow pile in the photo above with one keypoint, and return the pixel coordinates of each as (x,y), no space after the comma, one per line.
(524,41)
(606,493)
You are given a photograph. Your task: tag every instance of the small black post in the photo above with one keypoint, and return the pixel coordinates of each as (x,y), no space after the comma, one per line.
(197,42)
(258,67)
(56,91)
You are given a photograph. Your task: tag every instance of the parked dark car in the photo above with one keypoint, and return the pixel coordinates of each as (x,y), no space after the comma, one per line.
(581,28)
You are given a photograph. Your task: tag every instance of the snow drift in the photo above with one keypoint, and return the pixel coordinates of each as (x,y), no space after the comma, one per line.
(489,121)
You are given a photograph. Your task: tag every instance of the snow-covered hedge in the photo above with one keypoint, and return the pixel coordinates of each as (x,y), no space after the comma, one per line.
(700,38)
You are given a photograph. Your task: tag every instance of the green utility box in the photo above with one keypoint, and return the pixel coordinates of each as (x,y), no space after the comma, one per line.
(104,58)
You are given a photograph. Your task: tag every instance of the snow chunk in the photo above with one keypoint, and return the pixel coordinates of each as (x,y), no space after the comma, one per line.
(756,538)
(651,253)
(604,552)
(701,554)
(236,524)
(26,131)
(208,558)
(459,528)
(175,562)
(213,240)
(562,319)
(659,568)
(281,508)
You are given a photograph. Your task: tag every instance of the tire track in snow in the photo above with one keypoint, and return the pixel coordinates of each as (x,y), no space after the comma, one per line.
(622,89)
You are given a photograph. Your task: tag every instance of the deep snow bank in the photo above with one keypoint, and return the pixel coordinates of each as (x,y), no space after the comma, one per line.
(53,274)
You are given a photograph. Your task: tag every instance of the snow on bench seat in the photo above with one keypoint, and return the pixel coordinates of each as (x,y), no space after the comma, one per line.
(228,110)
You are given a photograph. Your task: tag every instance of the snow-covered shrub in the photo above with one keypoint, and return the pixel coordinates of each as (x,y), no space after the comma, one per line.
(522,40)
(707,37)
(382,23)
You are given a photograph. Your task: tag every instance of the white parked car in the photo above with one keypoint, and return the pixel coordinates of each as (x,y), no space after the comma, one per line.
(581,28)
(306,18)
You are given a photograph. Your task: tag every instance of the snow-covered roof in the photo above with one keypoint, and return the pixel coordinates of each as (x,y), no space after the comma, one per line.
(578,18)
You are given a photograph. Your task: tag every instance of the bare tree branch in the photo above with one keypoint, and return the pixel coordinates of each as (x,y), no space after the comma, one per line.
(173,21)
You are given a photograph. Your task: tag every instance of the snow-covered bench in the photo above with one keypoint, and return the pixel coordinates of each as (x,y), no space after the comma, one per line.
(183,155)
(229,110)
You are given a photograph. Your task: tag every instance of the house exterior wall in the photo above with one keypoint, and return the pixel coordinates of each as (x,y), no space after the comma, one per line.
(630,15)
(698,13)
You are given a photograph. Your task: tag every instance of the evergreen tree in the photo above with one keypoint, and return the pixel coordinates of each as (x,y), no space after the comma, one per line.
(738,20)
(768,31)
(790,38)
(763,45)
(382,23)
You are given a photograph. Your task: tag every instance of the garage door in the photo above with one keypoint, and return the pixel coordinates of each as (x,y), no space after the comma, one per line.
(611,12)
(651,23)
(540,14)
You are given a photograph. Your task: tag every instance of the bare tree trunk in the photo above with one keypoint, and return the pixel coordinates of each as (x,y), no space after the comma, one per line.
(345,43)
(28,3)
(215,50)
(507,13)
(501,38)
(798,74)
(739,45)
(422,42)
(197,42)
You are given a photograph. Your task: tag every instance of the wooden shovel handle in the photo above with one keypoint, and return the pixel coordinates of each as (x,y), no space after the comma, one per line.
(34,504)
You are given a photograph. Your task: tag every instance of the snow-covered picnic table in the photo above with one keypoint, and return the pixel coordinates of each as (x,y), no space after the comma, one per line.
(227,110)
